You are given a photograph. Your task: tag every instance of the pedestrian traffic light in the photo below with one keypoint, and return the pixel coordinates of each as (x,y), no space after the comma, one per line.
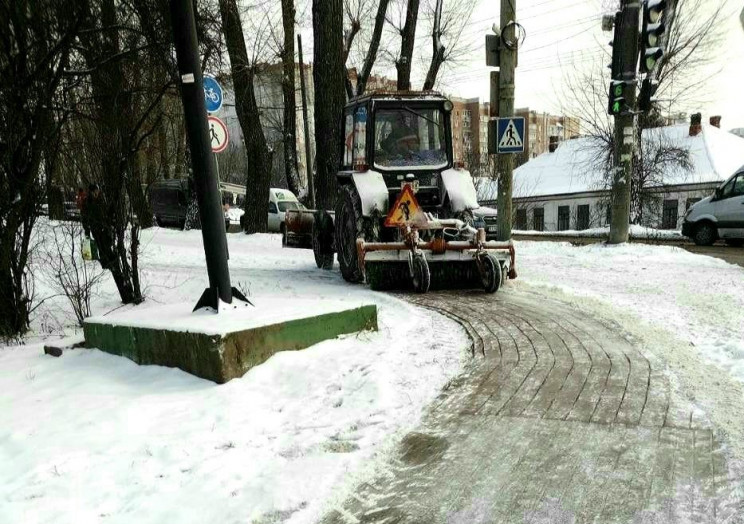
(619,92)
(653,28)
(648,90)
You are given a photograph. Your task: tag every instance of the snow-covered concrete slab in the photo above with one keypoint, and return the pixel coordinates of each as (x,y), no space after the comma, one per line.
(224,346)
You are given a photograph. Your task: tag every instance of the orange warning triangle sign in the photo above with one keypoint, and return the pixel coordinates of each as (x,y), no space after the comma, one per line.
(406,210)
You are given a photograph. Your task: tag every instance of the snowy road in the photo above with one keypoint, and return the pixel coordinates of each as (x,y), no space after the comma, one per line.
(561,420)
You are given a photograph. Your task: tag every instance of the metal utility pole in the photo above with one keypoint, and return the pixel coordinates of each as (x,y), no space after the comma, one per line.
(308,160)
(508,62)
(626,45)
(202,158)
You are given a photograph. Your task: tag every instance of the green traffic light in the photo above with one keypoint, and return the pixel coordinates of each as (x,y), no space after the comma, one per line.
(619,90)
(616,107)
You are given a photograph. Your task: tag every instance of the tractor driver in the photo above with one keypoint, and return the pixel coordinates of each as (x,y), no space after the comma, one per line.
(402,143)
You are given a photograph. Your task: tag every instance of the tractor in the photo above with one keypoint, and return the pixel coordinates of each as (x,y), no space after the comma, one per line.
(404,212)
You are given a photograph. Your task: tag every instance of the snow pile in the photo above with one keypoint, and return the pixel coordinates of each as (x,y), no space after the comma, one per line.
(636,231)
(91,437)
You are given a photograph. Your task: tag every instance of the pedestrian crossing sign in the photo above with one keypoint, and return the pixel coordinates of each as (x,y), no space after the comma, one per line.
(406,210)
(510,135)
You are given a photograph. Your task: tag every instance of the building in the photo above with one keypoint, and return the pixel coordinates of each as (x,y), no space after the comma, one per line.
(542,128)
(565,189)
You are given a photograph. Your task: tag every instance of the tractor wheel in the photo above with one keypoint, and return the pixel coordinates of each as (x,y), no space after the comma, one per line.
(349,227)
(705,234)
(490,270)
(420,275)
(322,249)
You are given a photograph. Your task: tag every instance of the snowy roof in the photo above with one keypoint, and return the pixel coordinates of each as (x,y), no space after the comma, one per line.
(715,155)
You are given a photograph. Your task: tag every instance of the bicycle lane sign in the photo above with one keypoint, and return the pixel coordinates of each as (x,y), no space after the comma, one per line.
(510,135)
(212,94)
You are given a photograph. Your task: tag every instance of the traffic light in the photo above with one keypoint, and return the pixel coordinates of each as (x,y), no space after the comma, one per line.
(619,95)
(653,28)
(648,90)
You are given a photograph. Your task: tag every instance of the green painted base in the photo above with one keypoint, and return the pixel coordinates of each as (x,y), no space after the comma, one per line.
(223,357)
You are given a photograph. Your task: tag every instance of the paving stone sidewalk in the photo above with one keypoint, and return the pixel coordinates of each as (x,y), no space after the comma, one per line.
(559,420)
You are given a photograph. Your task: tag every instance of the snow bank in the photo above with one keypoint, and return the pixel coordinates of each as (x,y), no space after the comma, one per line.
(635,231)
(91,437)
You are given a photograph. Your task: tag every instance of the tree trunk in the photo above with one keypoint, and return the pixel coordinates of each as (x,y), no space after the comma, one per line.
(259,158)
(437,55)
(408,38)
(291,170)
(374,45)
(328,81)
(114,113)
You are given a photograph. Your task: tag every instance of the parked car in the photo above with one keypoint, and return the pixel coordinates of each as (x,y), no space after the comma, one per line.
(720,215)
(169,200)
(485,217)
(280,200)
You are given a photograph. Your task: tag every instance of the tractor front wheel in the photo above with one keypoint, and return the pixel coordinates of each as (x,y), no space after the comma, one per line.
(349,227)
(420,274)
(490,273)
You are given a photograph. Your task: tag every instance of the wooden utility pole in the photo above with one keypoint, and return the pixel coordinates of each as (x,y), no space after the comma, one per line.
(627,46)
(308,159)
(508,62)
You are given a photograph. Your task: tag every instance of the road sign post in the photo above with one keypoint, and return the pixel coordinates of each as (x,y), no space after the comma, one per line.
(510,135)
(218,134)
(212,94)
(203,161)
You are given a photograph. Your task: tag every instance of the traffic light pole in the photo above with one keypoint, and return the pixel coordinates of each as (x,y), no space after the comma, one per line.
(508,62)
(625,124)
(202,158)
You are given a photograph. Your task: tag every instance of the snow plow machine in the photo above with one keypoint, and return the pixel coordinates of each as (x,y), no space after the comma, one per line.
(404,213)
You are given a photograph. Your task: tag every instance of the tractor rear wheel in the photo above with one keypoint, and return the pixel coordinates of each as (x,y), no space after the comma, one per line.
(349,227)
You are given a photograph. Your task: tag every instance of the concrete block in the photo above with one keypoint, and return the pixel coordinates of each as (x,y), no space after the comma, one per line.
(220,347)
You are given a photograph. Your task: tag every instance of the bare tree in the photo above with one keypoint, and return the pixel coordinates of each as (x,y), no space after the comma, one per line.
(243,71)
(407,41)
(328,80)
(289,134)
(374,45)
(36,41)
(448,24)
(64,268)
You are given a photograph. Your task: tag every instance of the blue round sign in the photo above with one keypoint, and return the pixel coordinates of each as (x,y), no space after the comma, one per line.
(212,94)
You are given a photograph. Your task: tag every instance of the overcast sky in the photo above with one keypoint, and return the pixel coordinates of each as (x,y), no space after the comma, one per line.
(562,36)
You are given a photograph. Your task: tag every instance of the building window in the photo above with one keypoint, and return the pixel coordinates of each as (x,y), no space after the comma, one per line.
(669,215)
(521,219)
(538,219)
(582,217)
(691,201)
(563,217)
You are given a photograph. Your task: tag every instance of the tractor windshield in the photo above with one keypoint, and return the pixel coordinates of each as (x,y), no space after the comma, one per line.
(409,137)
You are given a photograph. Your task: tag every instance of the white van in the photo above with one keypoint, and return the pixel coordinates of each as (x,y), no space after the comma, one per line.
(720,215)
(279,201)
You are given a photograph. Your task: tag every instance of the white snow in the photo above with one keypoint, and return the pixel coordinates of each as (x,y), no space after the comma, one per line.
(635,231)
(232,317)
(234,214)
(91,437)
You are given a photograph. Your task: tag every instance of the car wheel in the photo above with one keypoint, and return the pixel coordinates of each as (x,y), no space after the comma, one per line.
(705,234)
